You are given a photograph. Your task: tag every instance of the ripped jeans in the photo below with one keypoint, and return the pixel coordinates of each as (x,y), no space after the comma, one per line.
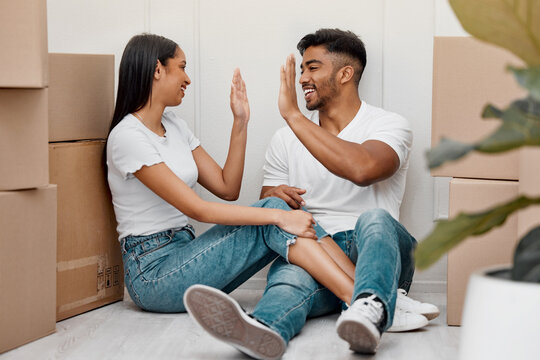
(160,267)
(380,247)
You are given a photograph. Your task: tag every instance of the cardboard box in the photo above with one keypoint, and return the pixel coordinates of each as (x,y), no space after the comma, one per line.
(467,75)
(23,36)
(23,139)
(81,96)
(493,248)
(27,265)
(90,271)
(529,185)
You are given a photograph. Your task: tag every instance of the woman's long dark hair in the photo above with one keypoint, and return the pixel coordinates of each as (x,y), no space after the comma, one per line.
(137,72)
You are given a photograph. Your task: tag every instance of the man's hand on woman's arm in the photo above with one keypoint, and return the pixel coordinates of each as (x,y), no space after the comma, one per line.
(290,194)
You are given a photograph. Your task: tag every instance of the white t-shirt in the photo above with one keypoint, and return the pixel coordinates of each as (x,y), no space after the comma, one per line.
(139,211)
(336,203)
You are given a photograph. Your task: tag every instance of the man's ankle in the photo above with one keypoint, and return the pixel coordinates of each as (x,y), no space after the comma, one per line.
(384,319)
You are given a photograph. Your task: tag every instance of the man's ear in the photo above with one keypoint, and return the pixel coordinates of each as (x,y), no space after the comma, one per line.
(158,71)
(345,74)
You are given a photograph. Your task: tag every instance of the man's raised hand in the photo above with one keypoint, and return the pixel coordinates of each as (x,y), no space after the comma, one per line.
(287,102)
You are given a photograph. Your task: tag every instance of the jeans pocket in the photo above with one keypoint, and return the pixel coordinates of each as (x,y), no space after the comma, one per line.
(155,252)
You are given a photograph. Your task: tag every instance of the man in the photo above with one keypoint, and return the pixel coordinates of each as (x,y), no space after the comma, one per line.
(347,166)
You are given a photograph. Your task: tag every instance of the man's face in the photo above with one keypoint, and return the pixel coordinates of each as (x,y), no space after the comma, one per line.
(318,77)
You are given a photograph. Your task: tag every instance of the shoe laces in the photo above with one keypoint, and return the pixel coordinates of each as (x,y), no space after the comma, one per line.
(368,307)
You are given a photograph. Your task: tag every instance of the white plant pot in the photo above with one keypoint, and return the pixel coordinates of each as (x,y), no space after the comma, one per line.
(501,318)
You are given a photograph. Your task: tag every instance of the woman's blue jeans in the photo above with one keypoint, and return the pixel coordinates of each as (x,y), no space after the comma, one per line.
(380,247)
(160,267)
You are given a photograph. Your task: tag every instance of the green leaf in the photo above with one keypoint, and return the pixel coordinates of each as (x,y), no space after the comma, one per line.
(529,79)
(491,111)
(447,150)
(527,258)
(511,24)
(449,233)
(520,126)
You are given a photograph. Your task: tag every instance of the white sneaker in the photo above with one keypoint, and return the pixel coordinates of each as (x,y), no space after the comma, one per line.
(407,303)
(360,325)
(222,317)
(407,321)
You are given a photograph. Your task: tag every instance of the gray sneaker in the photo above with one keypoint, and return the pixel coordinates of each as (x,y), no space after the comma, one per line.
(360,325)
(222,317)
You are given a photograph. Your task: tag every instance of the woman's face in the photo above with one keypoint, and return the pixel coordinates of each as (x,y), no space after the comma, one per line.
(174,79)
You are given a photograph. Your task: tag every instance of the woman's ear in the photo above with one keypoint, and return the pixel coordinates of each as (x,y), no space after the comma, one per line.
(158,71)
(345,74)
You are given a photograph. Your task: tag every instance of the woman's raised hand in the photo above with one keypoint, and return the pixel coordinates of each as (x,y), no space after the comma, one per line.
(239,100)
(299,223)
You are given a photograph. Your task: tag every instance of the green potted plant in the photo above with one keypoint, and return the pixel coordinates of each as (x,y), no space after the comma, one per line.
(502,308)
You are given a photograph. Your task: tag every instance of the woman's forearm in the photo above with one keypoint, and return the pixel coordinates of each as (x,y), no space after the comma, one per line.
(228,214)
(233,170)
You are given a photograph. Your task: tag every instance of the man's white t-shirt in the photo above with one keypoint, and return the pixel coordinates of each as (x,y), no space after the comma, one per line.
(130,146)
(336,203)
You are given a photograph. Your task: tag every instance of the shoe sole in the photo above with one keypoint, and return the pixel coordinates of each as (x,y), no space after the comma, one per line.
(360,338)
(431,316)
(408,327)
(224,319)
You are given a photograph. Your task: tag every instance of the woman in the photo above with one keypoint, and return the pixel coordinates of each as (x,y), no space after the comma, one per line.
(154,161)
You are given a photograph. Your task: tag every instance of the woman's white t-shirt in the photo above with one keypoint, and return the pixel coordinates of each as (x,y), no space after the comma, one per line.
(336,203)
(130,146)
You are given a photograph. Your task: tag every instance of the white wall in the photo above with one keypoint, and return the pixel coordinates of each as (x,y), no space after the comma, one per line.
(256,36)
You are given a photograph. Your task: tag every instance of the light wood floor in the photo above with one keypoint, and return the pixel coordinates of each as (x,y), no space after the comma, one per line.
(122,331)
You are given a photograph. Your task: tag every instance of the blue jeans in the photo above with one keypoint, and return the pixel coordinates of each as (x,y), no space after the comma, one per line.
(160,267)
(380,247)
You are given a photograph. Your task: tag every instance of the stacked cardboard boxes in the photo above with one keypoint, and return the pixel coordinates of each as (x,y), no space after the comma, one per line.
(89,268)
(529,185)
(468,74)
(59,253)
(27,202)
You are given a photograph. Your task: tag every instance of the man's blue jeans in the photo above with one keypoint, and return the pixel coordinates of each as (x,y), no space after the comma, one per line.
(380,247)
(160,267)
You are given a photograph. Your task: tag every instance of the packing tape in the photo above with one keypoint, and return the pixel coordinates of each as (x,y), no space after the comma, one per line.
(78,263)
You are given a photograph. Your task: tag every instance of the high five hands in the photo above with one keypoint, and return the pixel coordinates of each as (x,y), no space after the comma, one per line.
(287,102)
(239,100)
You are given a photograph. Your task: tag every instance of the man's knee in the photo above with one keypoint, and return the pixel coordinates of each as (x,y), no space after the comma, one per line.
(272,203)
(374,216)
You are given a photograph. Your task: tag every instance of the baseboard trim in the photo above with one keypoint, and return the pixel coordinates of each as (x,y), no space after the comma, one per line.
(426,286)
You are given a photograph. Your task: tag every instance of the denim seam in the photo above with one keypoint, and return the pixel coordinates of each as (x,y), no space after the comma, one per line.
(143,238)
(396,274)
(131,286)
(154,249)
(297,306)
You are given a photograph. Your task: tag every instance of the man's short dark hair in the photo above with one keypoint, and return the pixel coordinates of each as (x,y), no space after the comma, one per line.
(346,44)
